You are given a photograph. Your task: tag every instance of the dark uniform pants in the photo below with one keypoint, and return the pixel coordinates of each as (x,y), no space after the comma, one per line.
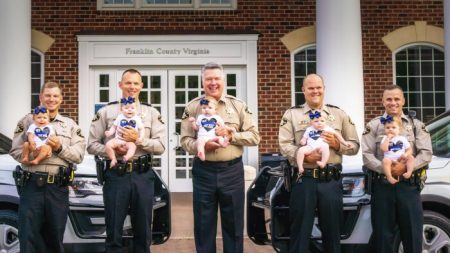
(43,214)
(218,184)
(305,197)
(396,204)
(132,191)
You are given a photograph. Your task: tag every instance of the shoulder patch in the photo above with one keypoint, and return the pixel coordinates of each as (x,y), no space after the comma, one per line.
(297,106)
(113,102)
(247,110)
(366,130)
(96,117)
(350,121)
(185,114)
(19,128)
(160,119)
(79,133)
(283,122)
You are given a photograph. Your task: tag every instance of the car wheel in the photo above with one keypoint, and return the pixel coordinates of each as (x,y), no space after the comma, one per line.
(436,234)
(9,236)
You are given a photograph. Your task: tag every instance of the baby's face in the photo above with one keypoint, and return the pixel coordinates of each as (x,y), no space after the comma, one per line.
(129,110)
(391,128)
(41,119)
(318,123)
(209,109)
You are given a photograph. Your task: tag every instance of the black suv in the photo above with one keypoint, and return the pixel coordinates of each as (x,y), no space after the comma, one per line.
(268,201)
(85,228)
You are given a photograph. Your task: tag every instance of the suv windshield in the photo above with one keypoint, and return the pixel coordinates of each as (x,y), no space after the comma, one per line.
(440,135)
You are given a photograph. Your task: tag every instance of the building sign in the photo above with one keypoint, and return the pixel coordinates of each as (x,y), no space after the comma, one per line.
(156,50)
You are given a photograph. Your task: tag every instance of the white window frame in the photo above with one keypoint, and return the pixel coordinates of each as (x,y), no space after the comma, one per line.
(394,70)
(42,71)
(142,5)
(293,68)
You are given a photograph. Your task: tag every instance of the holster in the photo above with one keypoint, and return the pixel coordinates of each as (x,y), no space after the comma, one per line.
(368,180)
(100,169)
(65,175)
(20,178)
(288,173)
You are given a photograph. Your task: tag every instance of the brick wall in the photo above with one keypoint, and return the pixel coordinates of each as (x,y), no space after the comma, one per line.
(272,19)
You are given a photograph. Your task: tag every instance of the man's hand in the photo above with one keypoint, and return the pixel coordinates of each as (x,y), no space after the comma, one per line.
(398,168)
(53,142)
(332,141)
(313,157)
(128,134)
(212,145)
(224,131)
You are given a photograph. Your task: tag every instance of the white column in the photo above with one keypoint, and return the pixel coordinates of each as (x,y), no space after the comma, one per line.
(15,72)
(447,52)
(339,56)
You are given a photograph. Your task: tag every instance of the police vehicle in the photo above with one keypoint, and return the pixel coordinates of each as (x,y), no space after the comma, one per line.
(85,228)
(268,201)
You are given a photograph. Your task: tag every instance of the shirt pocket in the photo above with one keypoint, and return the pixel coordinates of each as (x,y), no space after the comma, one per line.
(378,140)
(64,135)
(232,121)
(147,127)
(299,130)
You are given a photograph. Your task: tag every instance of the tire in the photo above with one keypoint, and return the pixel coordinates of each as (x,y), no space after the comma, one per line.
(9,240)
(436,229)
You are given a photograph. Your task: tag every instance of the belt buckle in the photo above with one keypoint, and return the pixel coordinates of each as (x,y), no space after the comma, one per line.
(129,167)
(316,173)
(50,179)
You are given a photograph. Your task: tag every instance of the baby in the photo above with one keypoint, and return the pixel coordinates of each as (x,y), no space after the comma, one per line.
(206,124)
(395,147)
(311,138)
(126,119)
(37,135)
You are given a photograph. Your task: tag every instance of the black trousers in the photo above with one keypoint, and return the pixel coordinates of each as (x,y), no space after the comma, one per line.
(396,204)
(218,185)
(132,191)
(305,197)
(43,214)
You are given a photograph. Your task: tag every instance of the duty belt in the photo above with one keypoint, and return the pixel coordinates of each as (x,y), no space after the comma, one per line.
(141,164)
(331,171)
(416,178)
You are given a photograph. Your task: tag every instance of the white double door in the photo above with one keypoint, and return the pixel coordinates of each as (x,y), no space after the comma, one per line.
(168,90)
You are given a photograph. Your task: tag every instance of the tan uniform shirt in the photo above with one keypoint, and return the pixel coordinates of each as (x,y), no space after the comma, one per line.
(235,114)
(72,142)
(295,121)
(374,132)
(154,137)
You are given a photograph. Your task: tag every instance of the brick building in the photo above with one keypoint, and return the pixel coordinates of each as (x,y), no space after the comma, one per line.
(266,47)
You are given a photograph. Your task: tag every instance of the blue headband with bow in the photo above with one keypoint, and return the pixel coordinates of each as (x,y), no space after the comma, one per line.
(128,100)
(204,101)
(314,115)
(40,109)
(388,119)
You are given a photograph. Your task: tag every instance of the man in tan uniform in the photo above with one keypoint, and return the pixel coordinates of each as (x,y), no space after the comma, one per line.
(219,180)
(44,197)
(398,203)
(128,185)
(316,186)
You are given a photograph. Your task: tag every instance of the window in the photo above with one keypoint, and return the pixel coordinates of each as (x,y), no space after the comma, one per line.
(304,63)
(166,4)
(419,70)
(37,71)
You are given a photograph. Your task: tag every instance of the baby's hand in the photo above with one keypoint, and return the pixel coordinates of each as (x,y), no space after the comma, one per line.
(303,142)
(390,136)
(108,133)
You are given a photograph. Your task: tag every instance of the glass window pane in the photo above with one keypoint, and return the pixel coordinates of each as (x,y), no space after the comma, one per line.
(301,56)
(179,112)
(400,68)
(427,54)
(300,68)
(231,92)
(180,152)
(180,162)
(104,81)
(427,84)
(158,108)
(402,82)
(104,96)
(155,97)
(311,67)
(156,162)
(428,114)
(439,69)
(178,127)
(231,80)
(35,101)
(439,83)
(35,85)
(427,99)
(145,82)
(192,95)
(427,68)
(414,84)
(35,70)
(414,99)
(155,82)
(401,56)
(298,84)
(180,97)
(180,173)
(438,55)
(413,68)
(299,98)
(35,57)
(143,97)
(311,54)
(413,53)
(440,98)
(179,82)
(193,81)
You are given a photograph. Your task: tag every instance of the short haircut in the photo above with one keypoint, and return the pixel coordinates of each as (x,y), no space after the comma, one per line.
(393,87)
(211,65)
(49,85)
(132,71)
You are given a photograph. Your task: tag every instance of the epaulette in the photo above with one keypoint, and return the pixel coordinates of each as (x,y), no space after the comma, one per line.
(147,104)
(113,102)
(297,106)
(332,106)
